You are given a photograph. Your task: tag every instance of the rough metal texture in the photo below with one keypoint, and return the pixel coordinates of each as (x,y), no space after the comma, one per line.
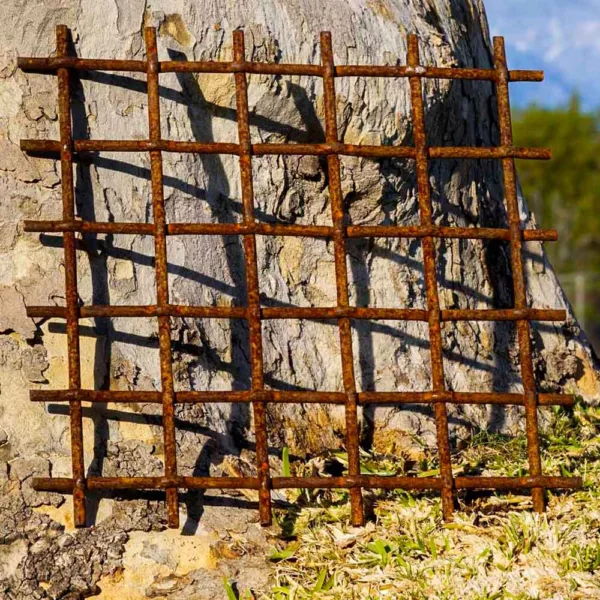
(122,353)
(257,393)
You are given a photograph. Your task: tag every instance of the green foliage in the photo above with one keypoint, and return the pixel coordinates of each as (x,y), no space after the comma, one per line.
(285,462)
(285,554)
(563,193)
(495,549)
(231,595)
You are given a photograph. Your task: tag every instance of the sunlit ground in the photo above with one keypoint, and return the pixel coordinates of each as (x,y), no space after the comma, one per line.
(495,548)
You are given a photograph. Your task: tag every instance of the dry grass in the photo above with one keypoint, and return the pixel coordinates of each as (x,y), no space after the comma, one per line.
(495,549)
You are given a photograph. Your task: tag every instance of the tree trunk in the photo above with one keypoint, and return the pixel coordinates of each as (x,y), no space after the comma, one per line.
(213,355)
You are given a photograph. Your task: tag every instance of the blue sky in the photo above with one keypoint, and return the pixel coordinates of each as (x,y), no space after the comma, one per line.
(562,37)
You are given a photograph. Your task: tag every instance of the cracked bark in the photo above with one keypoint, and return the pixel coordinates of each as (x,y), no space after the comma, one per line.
(214,355)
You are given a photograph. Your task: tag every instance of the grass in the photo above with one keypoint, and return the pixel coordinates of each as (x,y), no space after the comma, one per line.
(495,549)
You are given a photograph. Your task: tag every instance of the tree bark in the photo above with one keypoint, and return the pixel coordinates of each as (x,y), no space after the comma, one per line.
(116,269)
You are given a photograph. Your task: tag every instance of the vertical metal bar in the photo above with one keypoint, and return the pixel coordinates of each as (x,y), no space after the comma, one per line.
(341,276)
(252,283)
(431,289)
(516,259)
(162,286)
(70,258)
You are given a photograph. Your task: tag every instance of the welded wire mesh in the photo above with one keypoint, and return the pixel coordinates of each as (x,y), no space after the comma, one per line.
(63,65)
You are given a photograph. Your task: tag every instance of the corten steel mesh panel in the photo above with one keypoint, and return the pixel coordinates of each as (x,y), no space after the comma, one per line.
(63,64)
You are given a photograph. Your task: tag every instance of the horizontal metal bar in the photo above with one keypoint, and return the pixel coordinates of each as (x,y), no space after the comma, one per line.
(364,150)
(171,310)
(508,314)
(301,312)
(488,152)
(65,484)
(51,148)
(288,229)
(462,398)
(426,483)
(252,68)
(232,312)
(473,233)
(282,229)
(360,481)
(340,312)
(517,483)
(297,397)
(433,72)
(190,397)
(325,149)
(89,227)
(52,64)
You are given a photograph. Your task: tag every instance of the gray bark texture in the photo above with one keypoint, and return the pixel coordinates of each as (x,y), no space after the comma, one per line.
(42,557)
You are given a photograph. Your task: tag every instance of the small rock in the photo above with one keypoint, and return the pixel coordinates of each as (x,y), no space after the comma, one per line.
(64,540)
(167,585)
(309,167)
(32,108)
(9,352)
(39,546)
(158,555)
(560,366)
(23,468)
(34,363)
(223,549)
(13,316)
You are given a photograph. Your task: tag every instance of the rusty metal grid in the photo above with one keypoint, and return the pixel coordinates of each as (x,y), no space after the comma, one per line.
(439,396)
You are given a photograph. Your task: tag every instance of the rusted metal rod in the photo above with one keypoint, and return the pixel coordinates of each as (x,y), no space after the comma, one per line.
(51,148)
(341,277)
(162,285)
(518,276)
(301,312)
(52,64)
(430,274)
(285,229)
(299,397)
(70,258)
(65,485)
(254,314)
